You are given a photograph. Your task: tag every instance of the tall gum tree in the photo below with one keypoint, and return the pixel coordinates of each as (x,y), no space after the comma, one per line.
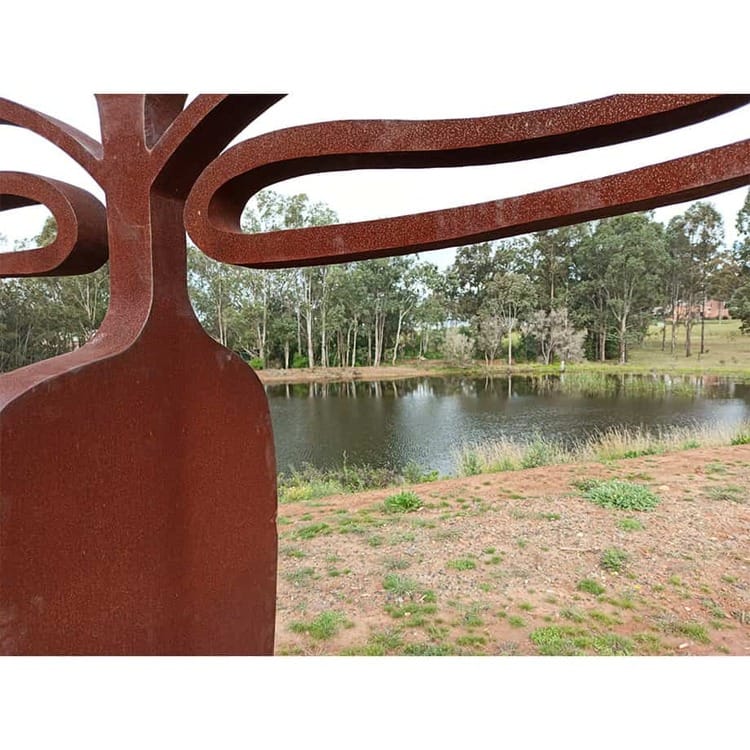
(634,248)
(704,228)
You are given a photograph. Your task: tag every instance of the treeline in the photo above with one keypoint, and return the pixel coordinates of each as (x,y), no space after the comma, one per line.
(584,291)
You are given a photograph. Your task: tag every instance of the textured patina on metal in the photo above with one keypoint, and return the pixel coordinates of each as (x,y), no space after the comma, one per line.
(137,474)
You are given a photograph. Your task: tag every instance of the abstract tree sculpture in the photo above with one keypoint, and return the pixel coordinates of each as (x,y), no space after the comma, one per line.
(137,473)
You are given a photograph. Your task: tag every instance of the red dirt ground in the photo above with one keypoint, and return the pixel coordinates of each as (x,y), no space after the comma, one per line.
(492,559)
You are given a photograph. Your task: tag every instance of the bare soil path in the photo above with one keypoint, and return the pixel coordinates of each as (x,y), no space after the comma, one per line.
(511,563)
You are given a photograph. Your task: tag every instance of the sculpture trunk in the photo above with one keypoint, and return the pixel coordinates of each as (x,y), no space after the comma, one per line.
(144,521)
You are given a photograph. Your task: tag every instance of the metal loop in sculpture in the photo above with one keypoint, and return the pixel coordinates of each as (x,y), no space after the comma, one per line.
(81,243)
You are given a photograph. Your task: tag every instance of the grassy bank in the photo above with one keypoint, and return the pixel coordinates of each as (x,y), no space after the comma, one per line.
(309,483)
(607,445)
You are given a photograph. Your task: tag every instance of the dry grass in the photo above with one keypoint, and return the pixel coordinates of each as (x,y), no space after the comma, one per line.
(607,445)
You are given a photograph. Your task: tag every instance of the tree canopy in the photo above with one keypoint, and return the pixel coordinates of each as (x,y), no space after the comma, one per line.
(592,289)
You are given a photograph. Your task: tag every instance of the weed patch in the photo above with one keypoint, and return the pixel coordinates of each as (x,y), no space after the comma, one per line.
(463,563)
(729,492)
(614,493)
(555,640)
(614,559)
(589,586)
(690,629)
(572,614)
(302,577)
(313,530)
(293,552)
(629,524)
(428,649)
(471,641)
(325,626)
(402,502)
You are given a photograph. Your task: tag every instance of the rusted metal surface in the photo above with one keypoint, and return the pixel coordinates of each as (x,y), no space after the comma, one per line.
(137,474)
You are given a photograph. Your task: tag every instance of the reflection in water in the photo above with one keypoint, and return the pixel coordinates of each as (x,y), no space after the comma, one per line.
(426,419)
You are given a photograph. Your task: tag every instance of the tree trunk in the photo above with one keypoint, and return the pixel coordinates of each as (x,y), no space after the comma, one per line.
(623,330)
(310,345)
(323,339)
(299,330)
(398,336)
(354,342)
(510,346)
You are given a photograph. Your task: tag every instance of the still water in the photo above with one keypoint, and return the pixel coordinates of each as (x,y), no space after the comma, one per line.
(390,423)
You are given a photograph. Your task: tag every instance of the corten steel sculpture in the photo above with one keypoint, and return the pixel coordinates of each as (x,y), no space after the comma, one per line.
(137,474)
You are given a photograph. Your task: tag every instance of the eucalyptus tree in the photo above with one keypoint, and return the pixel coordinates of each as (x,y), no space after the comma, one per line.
(742,244)
(80,302)
(380,278)
(634,247)
(549,260)
(510,298)
(217,292)
(704,228)
(588,294)
(432,311)
(412,285)
(739,304)
(468,276)
(725,280)
(24,324)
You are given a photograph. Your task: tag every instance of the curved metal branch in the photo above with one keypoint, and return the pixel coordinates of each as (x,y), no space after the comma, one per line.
(215,204)
(82,148)
(683,179)
(81,242)
(199,133)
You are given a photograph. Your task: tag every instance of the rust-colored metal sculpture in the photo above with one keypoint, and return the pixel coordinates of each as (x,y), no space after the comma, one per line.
(137,474)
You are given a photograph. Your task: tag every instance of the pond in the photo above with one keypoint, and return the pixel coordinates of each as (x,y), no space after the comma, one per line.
(425,420)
